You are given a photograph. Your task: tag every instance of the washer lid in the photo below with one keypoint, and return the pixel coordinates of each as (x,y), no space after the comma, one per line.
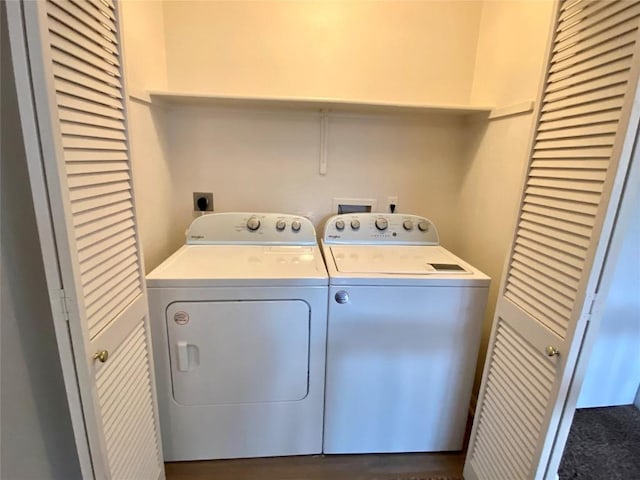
(396,260)
(232,265)
(399,265)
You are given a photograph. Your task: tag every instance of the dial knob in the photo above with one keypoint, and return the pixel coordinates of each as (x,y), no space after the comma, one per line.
(423,226)
(281,225)
(339,225)
(355,224)
(382,224)
(253,224)
(408,225)
(296,225)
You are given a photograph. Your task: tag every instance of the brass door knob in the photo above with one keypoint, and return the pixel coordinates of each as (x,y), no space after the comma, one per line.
(551,351)
(102,356)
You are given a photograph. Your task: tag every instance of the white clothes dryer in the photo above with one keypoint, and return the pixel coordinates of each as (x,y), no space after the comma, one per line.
(405,318)
(238,319)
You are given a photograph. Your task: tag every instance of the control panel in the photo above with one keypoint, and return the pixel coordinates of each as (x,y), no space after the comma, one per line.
(380,228)
(251,229)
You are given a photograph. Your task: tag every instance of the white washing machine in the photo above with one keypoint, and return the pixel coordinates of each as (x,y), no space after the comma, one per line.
(405,319)
(238,318)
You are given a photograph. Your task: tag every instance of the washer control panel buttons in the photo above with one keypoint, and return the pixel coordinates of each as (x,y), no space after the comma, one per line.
(296,225)
(377,228)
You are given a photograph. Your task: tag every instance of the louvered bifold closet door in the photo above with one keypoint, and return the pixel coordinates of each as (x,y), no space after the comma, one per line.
(85,67)
(83,77)
(580,140)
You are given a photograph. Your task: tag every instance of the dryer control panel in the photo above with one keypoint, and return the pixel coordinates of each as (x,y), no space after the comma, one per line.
(241,228)
(380,228)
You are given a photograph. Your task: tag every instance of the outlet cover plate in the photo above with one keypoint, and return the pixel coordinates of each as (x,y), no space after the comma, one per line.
(208,196)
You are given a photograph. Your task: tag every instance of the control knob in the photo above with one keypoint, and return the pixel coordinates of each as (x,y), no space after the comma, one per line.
(340,225)
(408,225)
(355,224)
(296,225)
(423,226)
(253,224)
(281,225)
(382,224)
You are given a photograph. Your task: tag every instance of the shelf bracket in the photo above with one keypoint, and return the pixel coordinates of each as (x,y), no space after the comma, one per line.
(324,134)
(511,110)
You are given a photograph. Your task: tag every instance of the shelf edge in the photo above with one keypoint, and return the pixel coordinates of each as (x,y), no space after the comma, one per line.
(184,98)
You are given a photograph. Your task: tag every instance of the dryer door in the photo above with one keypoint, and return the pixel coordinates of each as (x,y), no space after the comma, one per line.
(229,352)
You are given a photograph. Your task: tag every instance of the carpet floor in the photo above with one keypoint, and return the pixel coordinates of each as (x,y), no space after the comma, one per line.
(604,443)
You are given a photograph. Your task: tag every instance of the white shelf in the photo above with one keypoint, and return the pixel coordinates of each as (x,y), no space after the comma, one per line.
(332,104)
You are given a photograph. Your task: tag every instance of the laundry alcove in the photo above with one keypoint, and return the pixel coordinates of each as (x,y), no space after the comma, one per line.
(284,106)
(439,115)
(427,101)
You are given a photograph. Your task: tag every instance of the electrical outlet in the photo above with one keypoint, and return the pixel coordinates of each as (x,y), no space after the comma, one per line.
(392,200)
(198,199)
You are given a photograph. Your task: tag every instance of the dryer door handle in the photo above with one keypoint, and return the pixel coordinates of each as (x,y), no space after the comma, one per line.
(183,356)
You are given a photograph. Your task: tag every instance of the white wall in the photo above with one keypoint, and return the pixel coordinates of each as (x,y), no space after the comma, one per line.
(613,371)
(146,69)
(261,160)
(511,49)
(268,161)
(36,434)
(143,31)
(397,50)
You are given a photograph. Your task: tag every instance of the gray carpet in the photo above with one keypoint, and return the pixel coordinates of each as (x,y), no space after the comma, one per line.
(604,443)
